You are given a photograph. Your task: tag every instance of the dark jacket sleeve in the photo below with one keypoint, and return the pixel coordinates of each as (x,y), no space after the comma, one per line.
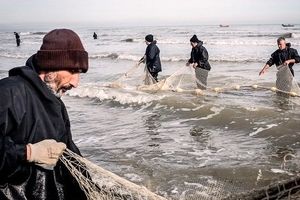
(191,58)
(12,154)
(271,61)
(295,55)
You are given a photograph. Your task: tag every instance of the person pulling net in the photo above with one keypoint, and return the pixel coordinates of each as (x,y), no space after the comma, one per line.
(199,61)
(100,184)
(284,58)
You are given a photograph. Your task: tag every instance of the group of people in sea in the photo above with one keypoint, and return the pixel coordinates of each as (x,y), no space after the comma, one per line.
(199,59)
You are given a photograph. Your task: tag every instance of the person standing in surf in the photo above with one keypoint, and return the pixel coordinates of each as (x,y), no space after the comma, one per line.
(151,57)
(95,36)
(284,55)
(18,41)
(199,61)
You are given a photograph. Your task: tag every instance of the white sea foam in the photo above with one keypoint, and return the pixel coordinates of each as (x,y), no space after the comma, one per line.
(122,96)
(133,177)
(261,129)
(216,111)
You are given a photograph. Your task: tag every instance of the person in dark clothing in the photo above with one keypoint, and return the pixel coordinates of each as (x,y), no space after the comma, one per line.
(34,123)
(199,61)
(95,36)
(151,57)
(17,38)
(284,55)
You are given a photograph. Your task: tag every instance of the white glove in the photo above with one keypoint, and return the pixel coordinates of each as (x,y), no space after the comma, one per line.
(45,153)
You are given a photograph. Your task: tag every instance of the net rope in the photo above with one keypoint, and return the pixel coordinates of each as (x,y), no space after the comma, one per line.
(285,83)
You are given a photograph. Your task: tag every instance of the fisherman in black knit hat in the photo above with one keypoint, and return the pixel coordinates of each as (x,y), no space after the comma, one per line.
(34,123)
(151,57)
(199,61)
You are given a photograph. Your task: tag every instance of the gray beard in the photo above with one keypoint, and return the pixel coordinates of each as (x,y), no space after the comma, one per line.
(53,91)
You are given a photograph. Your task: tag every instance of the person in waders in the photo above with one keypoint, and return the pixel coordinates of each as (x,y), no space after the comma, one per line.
(151,57)
(199,61)
(34,123)
(284,58)
(284,55)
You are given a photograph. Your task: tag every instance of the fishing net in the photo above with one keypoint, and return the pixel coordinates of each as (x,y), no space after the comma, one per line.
(172,83)
(285,82)
(201,78)
(100,184)
(148,80)
(289,189)
(119,83)
(183,81)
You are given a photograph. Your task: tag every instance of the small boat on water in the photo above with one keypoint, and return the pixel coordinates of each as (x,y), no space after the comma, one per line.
(223,26)
(287,25)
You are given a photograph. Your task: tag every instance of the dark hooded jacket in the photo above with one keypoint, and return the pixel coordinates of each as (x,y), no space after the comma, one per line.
(200,56)
(280,56)
(152,58)
(29,113)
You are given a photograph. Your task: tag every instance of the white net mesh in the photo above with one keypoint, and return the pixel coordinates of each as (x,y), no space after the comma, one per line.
(201,78)
(119,83)
(100,184)
(285,81)
(148,80)
(182,81)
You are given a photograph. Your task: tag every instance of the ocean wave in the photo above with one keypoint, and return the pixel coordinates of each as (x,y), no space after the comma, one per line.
(128,40)
(295,35)
(34,33)
(131,57)
(131,97)
(115,56)
(104,55)
(10,55)
(242,41)
(268,35)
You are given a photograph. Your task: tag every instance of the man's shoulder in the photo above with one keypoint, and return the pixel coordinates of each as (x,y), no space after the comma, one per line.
(276,52)
(292,49)
(12,83)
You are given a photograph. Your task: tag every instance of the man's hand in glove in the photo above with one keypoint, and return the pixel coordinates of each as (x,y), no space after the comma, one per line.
(45,153)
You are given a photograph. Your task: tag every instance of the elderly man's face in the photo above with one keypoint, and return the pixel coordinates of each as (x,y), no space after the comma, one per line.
(61,81)
(67,80)
(282,44)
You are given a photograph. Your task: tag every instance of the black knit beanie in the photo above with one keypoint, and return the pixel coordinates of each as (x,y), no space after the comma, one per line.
(62,50)
(194,39)
(149,38)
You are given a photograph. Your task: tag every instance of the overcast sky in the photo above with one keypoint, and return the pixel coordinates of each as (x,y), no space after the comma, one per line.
(150,12)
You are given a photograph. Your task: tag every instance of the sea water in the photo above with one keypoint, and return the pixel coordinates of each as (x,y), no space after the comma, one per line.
(173,142)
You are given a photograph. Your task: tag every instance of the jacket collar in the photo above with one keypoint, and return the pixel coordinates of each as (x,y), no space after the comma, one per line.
(29,73)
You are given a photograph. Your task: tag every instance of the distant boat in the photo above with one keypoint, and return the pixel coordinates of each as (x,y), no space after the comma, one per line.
(223,26)
(287,25)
